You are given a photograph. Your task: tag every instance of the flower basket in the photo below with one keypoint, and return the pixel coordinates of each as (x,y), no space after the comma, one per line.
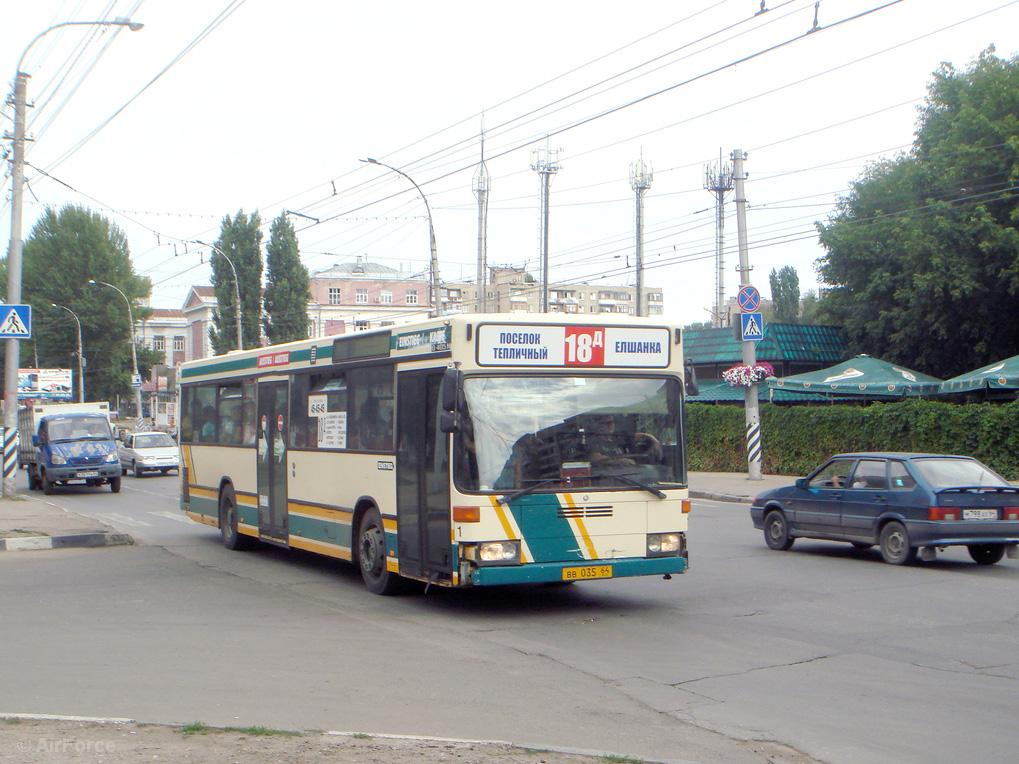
(744,376)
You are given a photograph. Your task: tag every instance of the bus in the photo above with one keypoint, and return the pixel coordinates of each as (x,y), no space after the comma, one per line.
(466,450)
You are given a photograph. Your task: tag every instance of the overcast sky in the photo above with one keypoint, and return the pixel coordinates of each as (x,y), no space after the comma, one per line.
(222,105)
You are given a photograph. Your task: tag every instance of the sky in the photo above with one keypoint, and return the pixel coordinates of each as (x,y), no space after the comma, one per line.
(217,106)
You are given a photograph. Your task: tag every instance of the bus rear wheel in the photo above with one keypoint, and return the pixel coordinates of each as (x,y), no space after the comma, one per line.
(371,554)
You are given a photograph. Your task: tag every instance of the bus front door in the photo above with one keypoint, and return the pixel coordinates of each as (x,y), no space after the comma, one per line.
(273,416)
(422,479)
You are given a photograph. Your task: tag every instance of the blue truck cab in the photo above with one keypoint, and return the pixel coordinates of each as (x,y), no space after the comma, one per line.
(63,446)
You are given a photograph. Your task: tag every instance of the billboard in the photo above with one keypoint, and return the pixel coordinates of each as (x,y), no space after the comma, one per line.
(45,384)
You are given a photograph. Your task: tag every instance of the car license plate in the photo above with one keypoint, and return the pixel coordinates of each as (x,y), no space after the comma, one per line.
(980,514)
(586,572)
(87,474)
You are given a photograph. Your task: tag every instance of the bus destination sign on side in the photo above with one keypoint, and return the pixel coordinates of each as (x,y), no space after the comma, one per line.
(585,346)
(431,340)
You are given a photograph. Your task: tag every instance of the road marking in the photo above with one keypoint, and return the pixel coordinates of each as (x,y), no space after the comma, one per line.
(123,519)
(178,516)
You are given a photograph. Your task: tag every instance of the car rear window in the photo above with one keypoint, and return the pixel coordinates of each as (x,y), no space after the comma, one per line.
(951,473)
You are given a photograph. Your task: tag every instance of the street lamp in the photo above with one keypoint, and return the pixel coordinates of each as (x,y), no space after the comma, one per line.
(135,377)
(81,362)
(237,293)
(13,357)
(434,266)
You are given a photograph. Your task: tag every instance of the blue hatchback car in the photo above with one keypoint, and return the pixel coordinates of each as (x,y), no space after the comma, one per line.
(906,503)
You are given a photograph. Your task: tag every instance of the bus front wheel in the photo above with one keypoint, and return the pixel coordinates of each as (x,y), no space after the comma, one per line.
(371,548)
(232,538)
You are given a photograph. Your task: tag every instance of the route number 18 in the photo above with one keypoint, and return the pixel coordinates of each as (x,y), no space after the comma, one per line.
(585,346)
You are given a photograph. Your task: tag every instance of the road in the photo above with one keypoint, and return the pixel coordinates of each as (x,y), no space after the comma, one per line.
(823,650)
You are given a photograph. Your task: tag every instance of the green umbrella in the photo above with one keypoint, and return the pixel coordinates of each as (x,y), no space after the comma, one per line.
(1003,375)
(864,376)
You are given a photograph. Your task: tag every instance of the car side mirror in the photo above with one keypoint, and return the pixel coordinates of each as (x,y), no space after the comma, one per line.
(801,483)
(690,378)
(452,381)
(35,441)
(449,421)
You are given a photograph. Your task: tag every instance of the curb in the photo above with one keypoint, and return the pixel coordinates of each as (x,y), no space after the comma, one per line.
(33,543)
(721,497)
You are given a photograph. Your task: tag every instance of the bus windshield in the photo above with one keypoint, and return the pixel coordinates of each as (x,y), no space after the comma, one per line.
(569,433)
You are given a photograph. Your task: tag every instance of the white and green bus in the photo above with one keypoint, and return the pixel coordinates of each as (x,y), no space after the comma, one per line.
(466,450)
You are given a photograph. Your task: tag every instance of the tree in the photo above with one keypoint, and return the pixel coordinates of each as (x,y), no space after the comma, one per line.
(64,251)
(785,294)
(922,256)
(287,284)
(240,238)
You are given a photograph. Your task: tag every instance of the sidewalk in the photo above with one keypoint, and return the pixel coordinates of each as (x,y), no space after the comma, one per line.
(31,522)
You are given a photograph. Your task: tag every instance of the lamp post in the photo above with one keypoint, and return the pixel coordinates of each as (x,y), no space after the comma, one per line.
(135,378)
(13,356)
(434,265)
(237,293)
(81,362)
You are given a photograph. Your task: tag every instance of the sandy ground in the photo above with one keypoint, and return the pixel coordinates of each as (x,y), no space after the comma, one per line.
(27,741)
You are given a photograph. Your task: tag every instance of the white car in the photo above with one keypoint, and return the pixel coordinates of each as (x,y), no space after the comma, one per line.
(148,451)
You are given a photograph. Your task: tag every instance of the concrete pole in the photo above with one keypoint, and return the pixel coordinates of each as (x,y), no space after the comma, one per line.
(753,420)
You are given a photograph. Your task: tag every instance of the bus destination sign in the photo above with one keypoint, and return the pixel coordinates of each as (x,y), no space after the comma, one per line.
(585,346)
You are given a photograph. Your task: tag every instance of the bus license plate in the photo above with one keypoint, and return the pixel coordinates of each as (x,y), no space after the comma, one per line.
(87,474)
(586,572)
(980,514)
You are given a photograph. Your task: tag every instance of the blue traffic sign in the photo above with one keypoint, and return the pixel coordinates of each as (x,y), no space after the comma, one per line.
(748,299)
(15,322)
(753,326)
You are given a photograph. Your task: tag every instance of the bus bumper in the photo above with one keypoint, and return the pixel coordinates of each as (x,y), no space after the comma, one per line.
(536,573)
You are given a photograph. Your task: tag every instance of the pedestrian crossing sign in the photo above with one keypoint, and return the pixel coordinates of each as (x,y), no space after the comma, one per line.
(15,322)
(753,326)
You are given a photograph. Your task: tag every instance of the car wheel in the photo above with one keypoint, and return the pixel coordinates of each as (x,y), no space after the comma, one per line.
(115,484)
(232,538)
(776,531)
(165,471)
(47,484)
(136,469)
(33,480)
(371,549)
(895,548)
(123,470)
(986,554)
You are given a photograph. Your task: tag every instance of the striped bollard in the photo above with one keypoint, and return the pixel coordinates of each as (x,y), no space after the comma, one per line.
(10,453)
(754,444)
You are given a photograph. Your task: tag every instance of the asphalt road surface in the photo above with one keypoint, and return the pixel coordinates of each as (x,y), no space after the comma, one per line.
(822,653)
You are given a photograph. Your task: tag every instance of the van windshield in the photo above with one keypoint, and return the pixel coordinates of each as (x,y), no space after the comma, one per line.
(79,428)
(576,432)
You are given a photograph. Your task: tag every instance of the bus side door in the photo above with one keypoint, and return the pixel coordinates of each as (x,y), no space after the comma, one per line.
(422,477)
(273,416)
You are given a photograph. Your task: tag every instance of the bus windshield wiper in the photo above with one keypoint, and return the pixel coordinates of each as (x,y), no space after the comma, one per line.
(525,491)
(627,479)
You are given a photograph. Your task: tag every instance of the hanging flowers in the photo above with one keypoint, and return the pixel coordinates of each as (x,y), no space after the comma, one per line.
(744,376)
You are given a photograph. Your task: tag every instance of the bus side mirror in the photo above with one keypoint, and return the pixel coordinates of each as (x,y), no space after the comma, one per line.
(690,377)
(450,394)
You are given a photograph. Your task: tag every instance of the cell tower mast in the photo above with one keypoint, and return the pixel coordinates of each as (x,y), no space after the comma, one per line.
(641,176)
(545,162)
(718,179)
(481,186)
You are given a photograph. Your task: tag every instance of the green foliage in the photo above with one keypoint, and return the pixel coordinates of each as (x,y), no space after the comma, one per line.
(287,284)
(240,239)
(923,254)
(785,294)
(798,438)
(65,250)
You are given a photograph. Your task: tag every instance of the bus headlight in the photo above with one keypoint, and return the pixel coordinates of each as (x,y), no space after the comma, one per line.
(664,544)
(499,553)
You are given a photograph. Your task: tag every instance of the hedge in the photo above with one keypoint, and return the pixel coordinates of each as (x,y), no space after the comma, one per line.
(797,438)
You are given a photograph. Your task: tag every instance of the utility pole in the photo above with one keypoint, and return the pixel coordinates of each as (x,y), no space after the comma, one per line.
(546,163)
(481,186)
(718,180)
(753,419)
(641,176)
